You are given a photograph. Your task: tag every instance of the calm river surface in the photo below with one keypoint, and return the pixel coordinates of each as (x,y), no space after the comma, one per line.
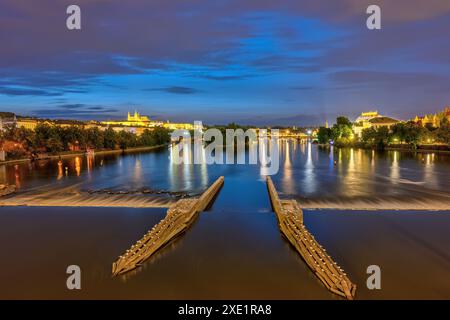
(235,249)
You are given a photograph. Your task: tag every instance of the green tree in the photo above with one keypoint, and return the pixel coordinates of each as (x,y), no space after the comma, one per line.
(342,129)
(324,135)
(161,135)
(94,138)
(344,121)
(41,135)
(414,134)
(147,138)
(399,132)
(442,134)
(54,144)
(376,137)
(20,135)
(126,139)
(109,140)
(368,135)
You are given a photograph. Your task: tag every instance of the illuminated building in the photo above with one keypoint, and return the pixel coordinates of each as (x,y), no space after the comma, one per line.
(178,126)
(135,123)
(363,122)
(133,120)
(6,118)
(433,120)
(366,116)
(29,124)
(137,120)
(94,124)
(382,122)
(371,119)
(136,130)
(447,114)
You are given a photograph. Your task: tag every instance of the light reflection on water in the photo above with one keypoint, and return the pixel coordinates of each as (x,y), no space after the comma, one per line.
(306,172)
(235,250)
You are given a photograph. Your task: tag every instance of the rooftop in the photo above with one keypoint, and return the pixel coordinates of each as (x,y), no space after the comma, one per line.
(383,120)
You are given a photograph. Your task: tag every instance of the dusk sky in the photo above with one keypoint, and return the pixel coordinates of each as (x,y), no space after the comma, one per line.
(253,62)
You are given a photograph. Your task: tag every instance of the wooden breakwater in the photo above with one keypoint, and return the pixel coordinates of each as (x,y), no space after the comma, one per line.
(179,217)
(6,189)
(290,221)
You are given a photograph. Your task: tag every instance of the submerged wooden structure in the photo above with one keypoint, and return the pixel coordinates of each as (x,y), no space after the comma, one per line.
(179,217)
(290,221)
(6,189)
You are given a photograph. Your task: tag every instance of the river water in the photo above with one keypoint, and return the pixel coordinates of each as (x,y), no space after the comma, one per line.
(353,200)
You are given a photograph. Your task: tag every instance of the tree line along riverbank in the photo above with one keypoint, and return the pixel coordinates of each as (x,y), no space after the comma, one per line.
(69,154)
(47,141)
(404,136)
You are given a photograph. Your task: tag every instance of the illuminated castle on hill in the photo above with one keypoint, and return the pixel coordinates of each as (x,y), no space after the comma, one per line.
(138,120)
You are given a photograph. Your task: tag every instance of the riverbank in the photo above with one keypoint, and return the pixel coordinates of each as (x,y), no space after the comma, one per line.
(424,148)
(82,153)
(420,149)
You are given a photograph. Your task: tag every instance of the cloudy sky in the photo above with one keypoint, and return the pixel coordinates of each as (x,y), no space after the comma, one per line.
(254,62)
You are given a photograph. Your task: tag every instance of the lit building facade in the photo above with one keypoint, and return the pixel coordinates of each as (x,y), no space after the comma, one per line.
(29,124)
(371,119)
(382,122)
(178,126)
(133,120)
(363,122)
(137,120)
(7,119)
(433,120)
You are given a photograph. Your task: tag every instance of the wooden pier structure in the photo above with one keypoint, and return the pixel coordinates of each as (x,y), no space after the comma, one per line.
(290,221)
(179,217)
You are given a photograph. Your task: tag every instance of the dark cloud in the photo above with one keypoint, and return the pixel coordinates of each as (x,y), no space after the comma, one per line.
(175,90)
(377,79)
(72,106)
(117,38)
(46,83)
(27,92)
(225,78)
(76,111)
(80,107)
(228,42)
(73,113)
(75,91)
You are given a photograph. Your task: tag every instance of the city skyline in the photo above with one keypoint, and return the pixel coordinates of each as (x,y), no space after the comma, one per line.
(255,62)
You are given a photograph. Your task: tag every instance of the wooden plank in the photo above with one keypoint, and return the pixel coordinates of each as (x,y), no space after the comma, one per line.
(290,221)
(179,217)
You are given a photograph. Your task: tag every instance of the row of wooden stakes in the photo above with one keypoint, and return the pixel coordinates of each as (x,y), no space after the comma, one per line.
(184,212)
